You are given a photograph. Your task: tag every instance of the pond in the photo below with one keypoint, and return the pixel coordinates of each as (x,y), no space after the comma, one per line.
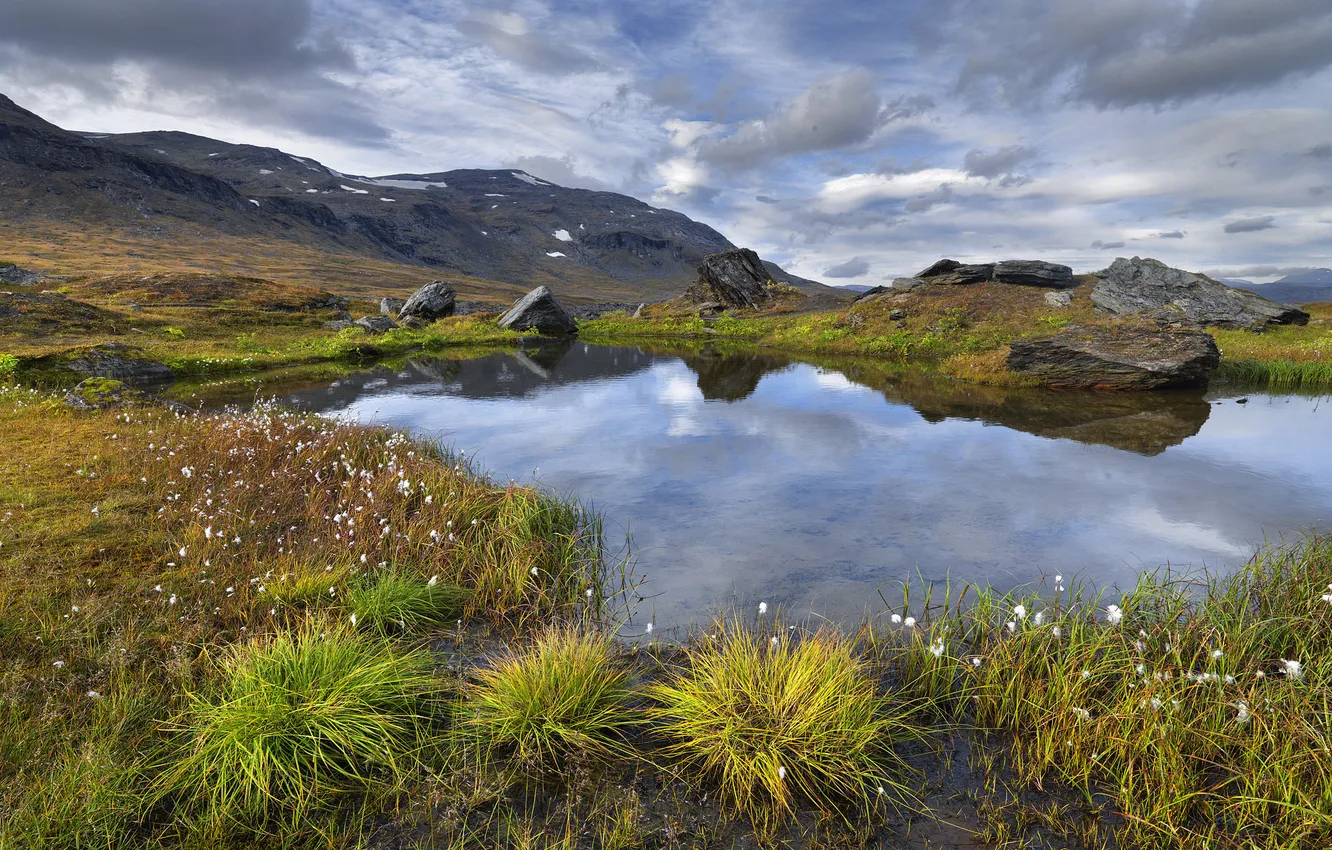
(746,477)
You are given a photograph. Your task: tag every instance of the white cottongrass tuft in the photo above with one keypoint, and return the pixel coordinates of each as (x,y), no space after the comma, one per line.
(763,608)
(909,622)
(1114,614)
(781,772)
(1292,669)
(1020,612)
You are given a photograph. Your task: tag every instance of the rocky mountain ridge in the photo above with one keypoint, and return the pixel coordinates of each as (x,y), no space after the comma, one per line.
(501,225)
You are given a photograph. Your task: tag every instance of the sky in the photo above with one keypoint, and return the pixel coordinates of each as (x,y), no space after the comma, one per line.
(853,141)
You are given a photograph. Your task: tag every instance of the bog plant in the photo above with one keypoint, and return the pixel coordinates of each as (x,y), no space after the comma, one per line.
(396,602)
(775,720)
(297,720)
(563,697)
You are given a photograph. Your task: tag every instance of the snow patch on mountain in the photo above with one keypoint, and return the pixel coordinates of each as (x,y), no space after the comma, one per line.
(562,235)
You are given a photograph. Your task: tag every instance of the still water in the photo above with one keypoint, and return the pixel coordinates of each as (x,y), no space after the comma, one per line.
(746,477)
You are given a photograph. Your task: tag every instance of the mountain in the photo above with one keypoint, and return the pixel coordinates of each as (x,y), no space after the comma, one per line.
(855,287)
(1303,287)
(502,226)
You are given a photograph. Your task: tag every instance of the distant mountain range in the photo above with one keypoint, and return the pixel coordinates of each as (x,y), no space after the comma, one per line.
(1304,287)
(495,225)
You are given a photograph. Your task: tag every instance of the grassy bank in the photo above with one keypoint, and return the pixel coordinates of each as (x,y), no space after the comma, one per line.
(270,630)
(964,332)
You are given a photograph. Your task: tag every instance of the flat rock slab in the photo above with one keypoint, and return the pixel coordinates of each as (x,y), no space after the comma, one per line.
(1033,273)
(435,300)
(1143,285)
(735,278)
(119,362)
(1120,358)
(376,324)
(539,310)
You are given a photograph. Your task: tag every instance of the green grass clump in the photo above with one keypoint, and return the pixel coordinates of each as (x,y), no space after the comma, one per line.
(1279,374)
(773,720)
(396,602)
(564,697)
(297,721)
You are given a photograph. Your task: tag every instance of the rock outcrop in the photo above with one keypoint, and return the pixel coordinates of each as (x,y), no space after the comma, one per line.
(735,278)
(538,310)
(375,324)
(1117,358)
(1014,272)
(119,362)
(391,306)
(1143,285)
(433,301)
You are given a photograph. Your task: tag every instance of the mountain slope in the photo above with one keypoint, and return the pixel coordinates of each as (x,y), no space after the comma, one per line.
(503,226)
(1306,287)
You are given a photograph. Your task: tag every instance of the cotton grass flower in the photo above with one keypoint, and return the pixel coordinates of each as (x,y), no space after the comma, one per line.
(909,622)
(763,608)
(1293,669)
(1114,614)
(1020,612)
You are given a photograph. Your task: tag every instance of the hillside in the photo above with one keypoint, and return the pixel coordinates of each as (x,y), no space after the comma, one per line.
(1306,287)
(187,201)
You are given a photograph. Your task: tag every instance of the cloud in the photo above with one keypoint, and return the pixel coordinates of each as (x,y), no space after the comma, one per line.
(766,199)
(1323,151)
(1259,271)
(266,60)
(513,37)
(1123,53)
(855,267)
(1106,246)
(1171,234)
(1000,163)
(562,171)
(834,113)
(1250,225)
(672,90)
(930,200)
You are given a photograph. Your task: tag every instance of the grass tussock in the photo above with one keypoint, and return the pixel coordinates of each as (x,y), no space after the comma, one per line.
(293,722)
(774,721)
(563,698)
(395,602)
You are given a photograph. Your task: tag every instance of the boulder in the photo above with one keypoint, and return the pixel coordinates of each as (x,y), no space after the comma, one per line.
(1144,285)
(10,273)
(953,272)
(98,393)
(433,301)
(1033,273)
(871,292)
(120,362)
(538,310)
(735,278)
(906,284)
(339,324)
(1117,358)
(375,324)
(1059,298)
(391,306)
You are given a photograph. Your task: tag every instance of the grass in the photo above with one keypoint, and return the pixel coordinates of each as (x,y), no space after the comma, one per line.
(776,720)
(294,722)
(563,699)
(395,602)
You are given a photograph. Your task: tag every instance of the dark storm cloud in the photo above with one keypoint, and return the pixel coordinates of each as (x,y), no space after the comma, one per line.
(1249,225)
(1002,162)
(834,113)
(516,41)
(855,267)
(264,60)
(1106,246)
(1120,53)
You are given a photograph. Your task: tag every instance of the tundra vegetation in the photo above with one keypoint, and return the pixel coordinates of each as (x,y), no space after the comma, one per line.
(265,629)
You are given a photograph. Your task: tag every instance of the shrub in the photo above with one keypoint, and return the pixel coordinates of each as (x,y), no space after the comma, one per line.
(299,720)
(773,720)
(561,697)
(8,364)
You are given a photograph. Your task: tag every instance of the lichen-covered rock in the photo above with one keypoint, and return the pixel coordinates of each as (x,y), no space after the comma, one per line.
(538,310)
(1059,298)
(433,301)
(955,273)
(735,278)
(1033,273)
(119,362)
(376,324)
(1117,358)
(339,325)
(97,393)
(391,306)
(1143,285)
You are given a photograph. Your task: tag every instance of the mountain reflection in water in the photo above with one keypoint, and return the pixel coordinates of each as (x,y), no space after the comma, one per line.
(753,475)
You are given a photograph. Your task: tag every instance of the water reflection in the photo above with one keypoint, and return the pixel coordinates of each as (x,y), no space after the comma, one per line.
(745,473)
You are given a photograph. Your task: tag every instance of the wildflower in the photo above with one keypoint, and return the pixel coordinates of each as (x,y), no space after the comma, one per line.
(895,619)
(976,661)
(1020,612)
(434,580)
(353,618)
(648,630)
(1038,618)
(909,622)
(1086,674)
(1082,713)
(74,608)
(534,572)
(57,664)
(1216,653)
(182,551)
(763,608)
(1012,627)
(94,695)
(1243,715)
(781,772)
(1113,613)
(589,593)
(1292,669)
(774,640)
(937,648)
(1058,632)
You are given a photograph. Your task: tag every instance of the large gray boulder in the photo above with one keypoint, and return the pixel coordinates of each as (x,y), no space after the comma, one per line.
(1033,273)
(1118,358)
(391,306)
(540,311)
(735,278)
(119,362)
(953,272)
(1143,285)
(433,301)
